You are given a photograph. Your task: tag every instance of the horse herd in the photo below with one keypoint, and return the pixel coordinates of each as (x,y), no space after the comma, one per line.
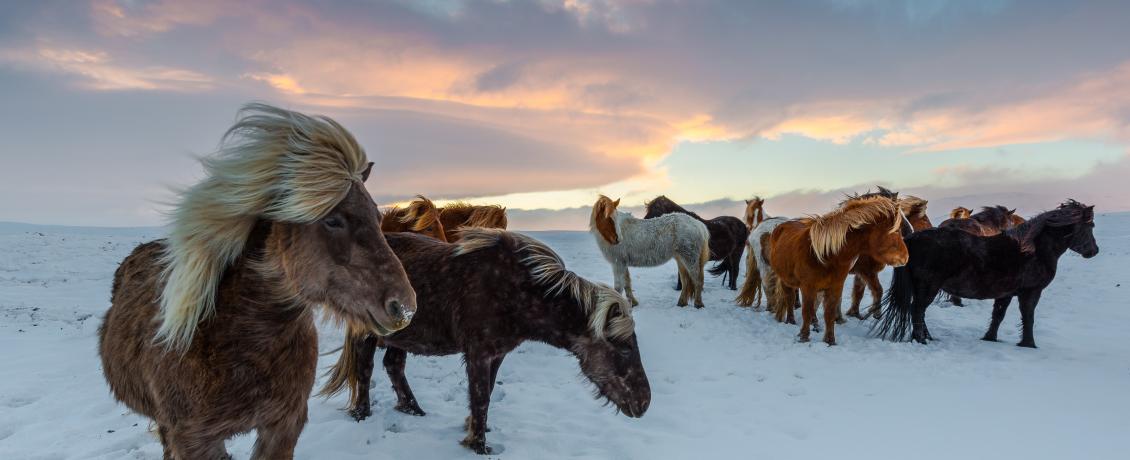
(211,332)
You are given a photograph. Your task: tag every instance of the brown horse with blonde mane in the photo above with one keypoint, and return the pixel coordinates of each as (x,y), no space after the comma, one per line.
(420,216)
(459,215)
(866,269)
(813,255)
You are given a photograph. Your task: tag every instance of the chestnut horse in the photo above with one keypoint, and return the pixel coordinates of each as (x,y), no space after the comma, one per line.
(960,212)
(754,212)
(459,215)
(991,220)
(420,216)
(210,333)
(727,238)
(482,298)
(866,269)
(813,255)
(629,242)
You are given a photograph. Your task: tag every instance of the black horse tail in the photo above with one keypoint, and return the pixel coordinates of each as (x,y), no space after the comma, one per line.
(896,323)
(722,267)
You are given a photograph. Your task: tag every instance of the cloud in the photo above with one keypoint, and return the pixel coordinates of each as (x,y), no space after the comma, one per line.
(96,70)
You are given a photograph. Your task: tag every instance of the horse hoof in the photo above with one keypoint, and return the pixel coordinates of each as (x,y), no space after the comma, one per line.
(410,409)
(831,343)
(1026,344)
(989,339)
(841,320)
(635,303)
(479,446)
(802,339)
(699,305)
(360,413)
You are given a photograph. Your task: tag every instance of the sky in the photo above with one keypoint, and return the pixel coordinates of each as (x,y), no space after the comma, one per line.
(539,105)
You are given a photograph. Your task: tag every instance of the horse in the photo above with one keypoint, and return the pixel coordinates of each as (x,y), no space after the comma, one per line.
(459,215)
(754,212)
(813,255)
(1021,263)
(484,296)
(727,238)
(991,220)
(629,242)
(759,278)
(420,216)
(866,269)
(960,212)
(210,332)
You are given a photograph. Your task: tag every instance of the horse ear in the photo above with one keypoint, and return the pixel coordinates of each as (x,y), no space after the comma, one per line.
(1012,211)
(365,173)
(616,204)
(748,202)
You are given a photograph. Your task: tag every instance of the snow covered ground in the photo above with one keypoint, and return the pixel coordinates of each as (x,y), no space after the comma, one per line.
(727,382)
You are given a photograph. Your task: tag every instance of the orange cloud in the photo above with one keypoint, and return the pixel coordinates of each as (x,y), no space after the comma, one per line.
(98,71)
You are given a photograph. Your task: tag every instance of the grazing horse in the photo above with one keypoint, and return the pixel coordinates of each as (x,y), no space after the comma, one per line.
(210,333)
(991,220)
(727,238)
(459,215)
(754,212)
(629,242)
(1020,262)
(421,216)
(482,298)
(813,255)
(866,269)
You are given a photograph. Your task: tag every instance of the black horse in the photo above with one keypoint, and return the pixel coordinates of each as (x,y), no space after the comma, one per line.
(727,238)
(481,298)
(990,221)
(1020,262)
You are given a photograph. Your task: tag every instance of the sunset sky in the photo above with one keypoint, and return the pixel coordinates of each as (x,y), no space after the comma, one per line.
(541,104)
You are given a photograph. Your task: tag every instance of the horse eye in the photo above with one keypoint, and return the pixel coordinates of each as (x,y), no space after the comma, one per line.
(334,222)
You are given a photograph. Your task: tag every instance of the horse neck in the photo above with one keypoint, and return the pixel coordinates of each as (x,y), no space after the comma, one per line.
(558,321)
(1049,246)
(253,302)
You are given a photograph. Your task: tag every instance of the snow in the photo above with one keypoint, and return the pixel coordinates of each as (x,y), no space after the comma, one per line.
(727,382)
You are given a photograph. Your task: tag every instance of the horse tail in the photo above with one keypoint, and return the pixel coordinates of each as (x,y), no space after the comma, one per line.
(898,302)
(778,304)
(751,286)
(721,267)
(343,371)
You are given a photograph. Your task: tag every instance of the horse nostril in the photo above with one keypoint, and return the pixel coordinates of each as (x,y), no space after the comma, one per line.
(394,309)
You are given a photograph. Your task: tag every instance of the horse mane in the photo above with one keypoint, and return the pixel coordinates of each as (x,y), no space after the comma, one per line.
(959,211)
(996,216)
(829,231)
(492,216)
(272,164)
(421,213)
(913,206)
(1069,213)
(548,271)
(600,220)
(663,205)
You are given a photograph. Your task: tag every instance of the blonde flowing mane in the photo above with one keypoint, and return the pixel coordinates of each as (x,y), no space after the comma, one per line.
(272,164)
(421,213)
(912,206)
(549,272)
(829,231)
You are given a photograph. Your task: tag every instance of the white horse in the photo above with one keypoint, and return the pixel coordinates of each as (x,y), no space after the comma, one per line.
(627,241)
(759,276)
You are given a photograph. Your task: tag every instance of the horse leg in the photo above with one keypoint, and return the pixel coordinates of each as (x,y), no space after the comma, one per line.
(700,274)
(188,442)
(876,288)
(628,287)
(679,283)
(1000,306)
(918,315)
(364,350)
(394,366)
(683,293)
(478,388)
(955,300)
(832,298)
(277,439)
(735,261)
(1028,301)
(857,289)
(166,443)
(807,312)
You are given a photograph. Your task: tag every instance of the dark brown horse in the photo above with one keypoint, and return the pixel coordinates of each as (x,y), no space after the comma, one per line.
(727,238)
(420,216)
(211,332)
(866,269)
(459,215)
(482,298)
(991,220)
(814,255)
